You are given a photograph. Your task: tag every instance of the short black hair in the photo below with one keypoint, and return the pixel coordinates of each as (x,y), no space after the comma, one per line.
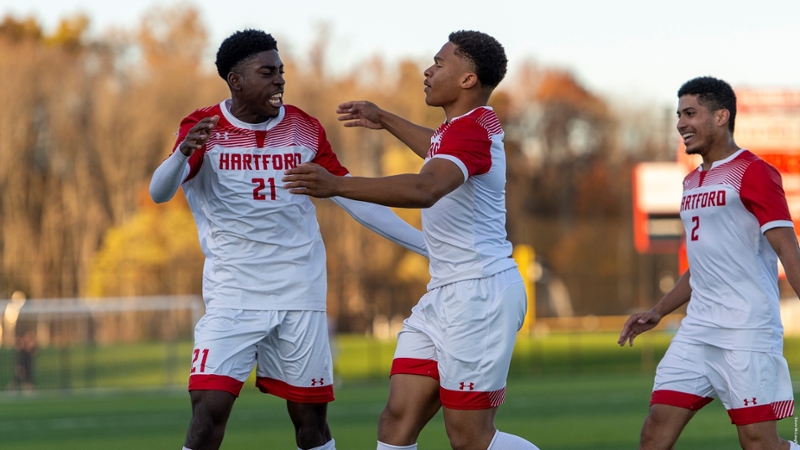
(242,45)
(484,52)
(712,93)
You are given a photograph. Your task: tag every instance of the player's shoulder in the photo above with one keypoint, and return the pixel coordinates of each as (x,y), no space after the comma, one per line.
(202,113)
(757,167)
(482,117)
(295,114)
(692,178)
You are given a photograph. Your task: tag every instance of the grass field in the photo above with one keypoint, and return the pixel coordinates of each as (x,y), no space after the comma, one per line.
(556,412)
(566,391)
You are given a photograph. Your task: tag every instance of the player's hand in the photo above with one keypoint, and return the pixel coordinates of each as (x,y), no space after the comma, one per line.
(638,324)
(360,114)
(310,179)
(198,135)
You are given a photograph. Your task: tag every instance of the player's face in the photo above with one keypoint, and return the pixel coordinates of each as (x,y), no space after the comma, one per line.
(695,125)
(262,84)
(443,78)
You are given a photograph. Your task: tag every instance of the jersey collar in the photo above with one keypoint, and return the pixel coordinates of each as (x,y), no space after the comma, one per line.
(726,160)
(225,106)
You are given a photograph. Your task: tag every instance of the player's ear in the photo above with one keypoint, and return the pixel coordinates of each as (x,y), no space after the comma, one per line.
(469,80)
(234,81)
(723,116)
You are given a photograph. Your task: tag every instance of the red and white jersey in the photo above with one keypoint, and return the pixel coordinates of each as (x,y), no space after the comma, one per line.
(734,272)
(465,231)
(262,244)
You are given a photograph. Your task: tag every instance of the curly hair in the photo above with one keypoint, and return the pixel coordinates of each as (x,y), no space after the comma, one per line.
(485,54)
(240,46)
(712,93)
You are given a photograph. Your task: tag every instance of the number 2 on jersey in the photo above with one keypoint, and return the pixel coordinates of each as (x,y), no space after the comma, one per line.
(260,185)
(696,222)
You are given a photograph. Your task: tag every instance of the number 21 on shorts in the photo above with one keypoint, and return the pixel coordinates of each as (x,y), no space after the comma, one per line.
(196,355)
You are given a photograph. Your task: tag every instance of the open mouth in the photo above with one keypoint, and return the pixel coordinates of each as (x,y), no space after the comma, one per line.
(687,137)
(276,100)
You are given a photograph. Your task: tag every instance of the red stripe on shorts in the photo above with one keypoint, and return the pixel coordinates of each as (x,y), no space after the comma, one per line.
(413,366)
(464,400)
(215,383)
(762,413)
(313,394)
(783,409)
(679,399)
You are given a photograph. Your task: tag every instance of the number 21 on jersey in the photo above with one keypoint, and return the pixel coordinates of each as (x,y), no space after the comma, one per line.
(260,186)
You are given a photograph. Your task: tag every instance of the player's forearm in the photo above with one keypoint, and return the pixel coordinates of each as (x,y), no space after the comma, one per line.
(416,137)
(784,242)
(790,258)
(384,222)
(401,191)
(168,177)
(679,295)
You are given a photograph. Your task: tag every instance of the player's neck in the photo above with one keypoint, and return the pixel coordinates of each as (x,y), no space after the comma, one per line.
(457,110)
(240,111)
(464,104)
(719,152)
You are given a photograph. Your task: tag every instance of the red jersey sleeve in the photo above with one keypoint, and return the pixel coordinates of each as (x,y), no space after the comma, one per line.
(468,142)
(762,193)
(196,160)
(325,156)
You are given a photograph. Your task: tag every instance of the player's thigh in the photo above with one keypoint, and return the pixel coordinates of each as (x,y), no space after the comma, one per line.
(753,386)
(225,348)
(468,429)
(480,323)
(211,405)
(663,426)
(759,435)
(681,380)
(413,401)
(295,362)
(413,395)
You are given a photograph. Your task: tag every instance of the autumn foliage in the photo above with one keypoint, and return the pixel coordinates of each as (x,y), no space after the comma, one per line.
(86,121)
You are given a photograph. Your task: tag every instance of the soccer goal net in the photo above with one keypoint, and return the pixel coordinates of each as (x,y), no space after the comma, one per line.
(127,343)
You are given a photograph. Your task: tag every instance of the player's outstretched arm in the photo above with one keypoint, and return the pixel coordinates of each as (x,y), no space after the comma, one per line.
(368,115)
(384,222)
(641,322)
(437,178)
(784,242)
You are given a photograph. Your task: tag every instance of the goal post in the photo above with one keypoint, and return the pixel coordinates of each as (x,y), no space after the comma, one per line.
(76,343)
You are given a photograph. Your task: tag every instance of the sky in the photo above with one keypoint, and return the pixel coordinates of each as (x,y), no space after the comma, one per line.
(637,52)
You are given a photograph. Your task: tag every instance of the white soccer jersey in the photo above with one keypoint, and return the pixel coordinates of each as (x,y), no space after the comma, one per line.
(465,231)
(725,212)
(256,236)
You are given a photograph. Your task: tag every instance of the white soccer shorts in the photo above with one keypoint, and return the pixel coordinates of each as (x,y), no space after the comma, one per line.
(291,350)
(462,334)
(753,386)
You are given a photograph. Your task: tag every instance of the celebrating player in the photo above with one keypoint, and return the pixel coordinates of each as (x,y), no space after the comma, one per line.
(730,343)
(455,349)
(264,279)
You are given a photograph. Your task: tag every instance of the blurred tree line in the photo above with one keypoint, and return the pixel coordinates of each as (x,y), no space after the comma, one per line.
(85,121)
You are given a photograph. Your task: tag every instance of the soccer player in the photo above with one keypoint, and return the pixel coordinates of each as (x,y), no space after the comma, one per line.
(730,343)
(264,279)
(455,348)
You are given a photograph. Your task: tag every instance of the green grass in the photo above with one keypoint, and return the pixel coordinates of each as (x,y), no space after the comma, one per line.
(597,411)
(566,391)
